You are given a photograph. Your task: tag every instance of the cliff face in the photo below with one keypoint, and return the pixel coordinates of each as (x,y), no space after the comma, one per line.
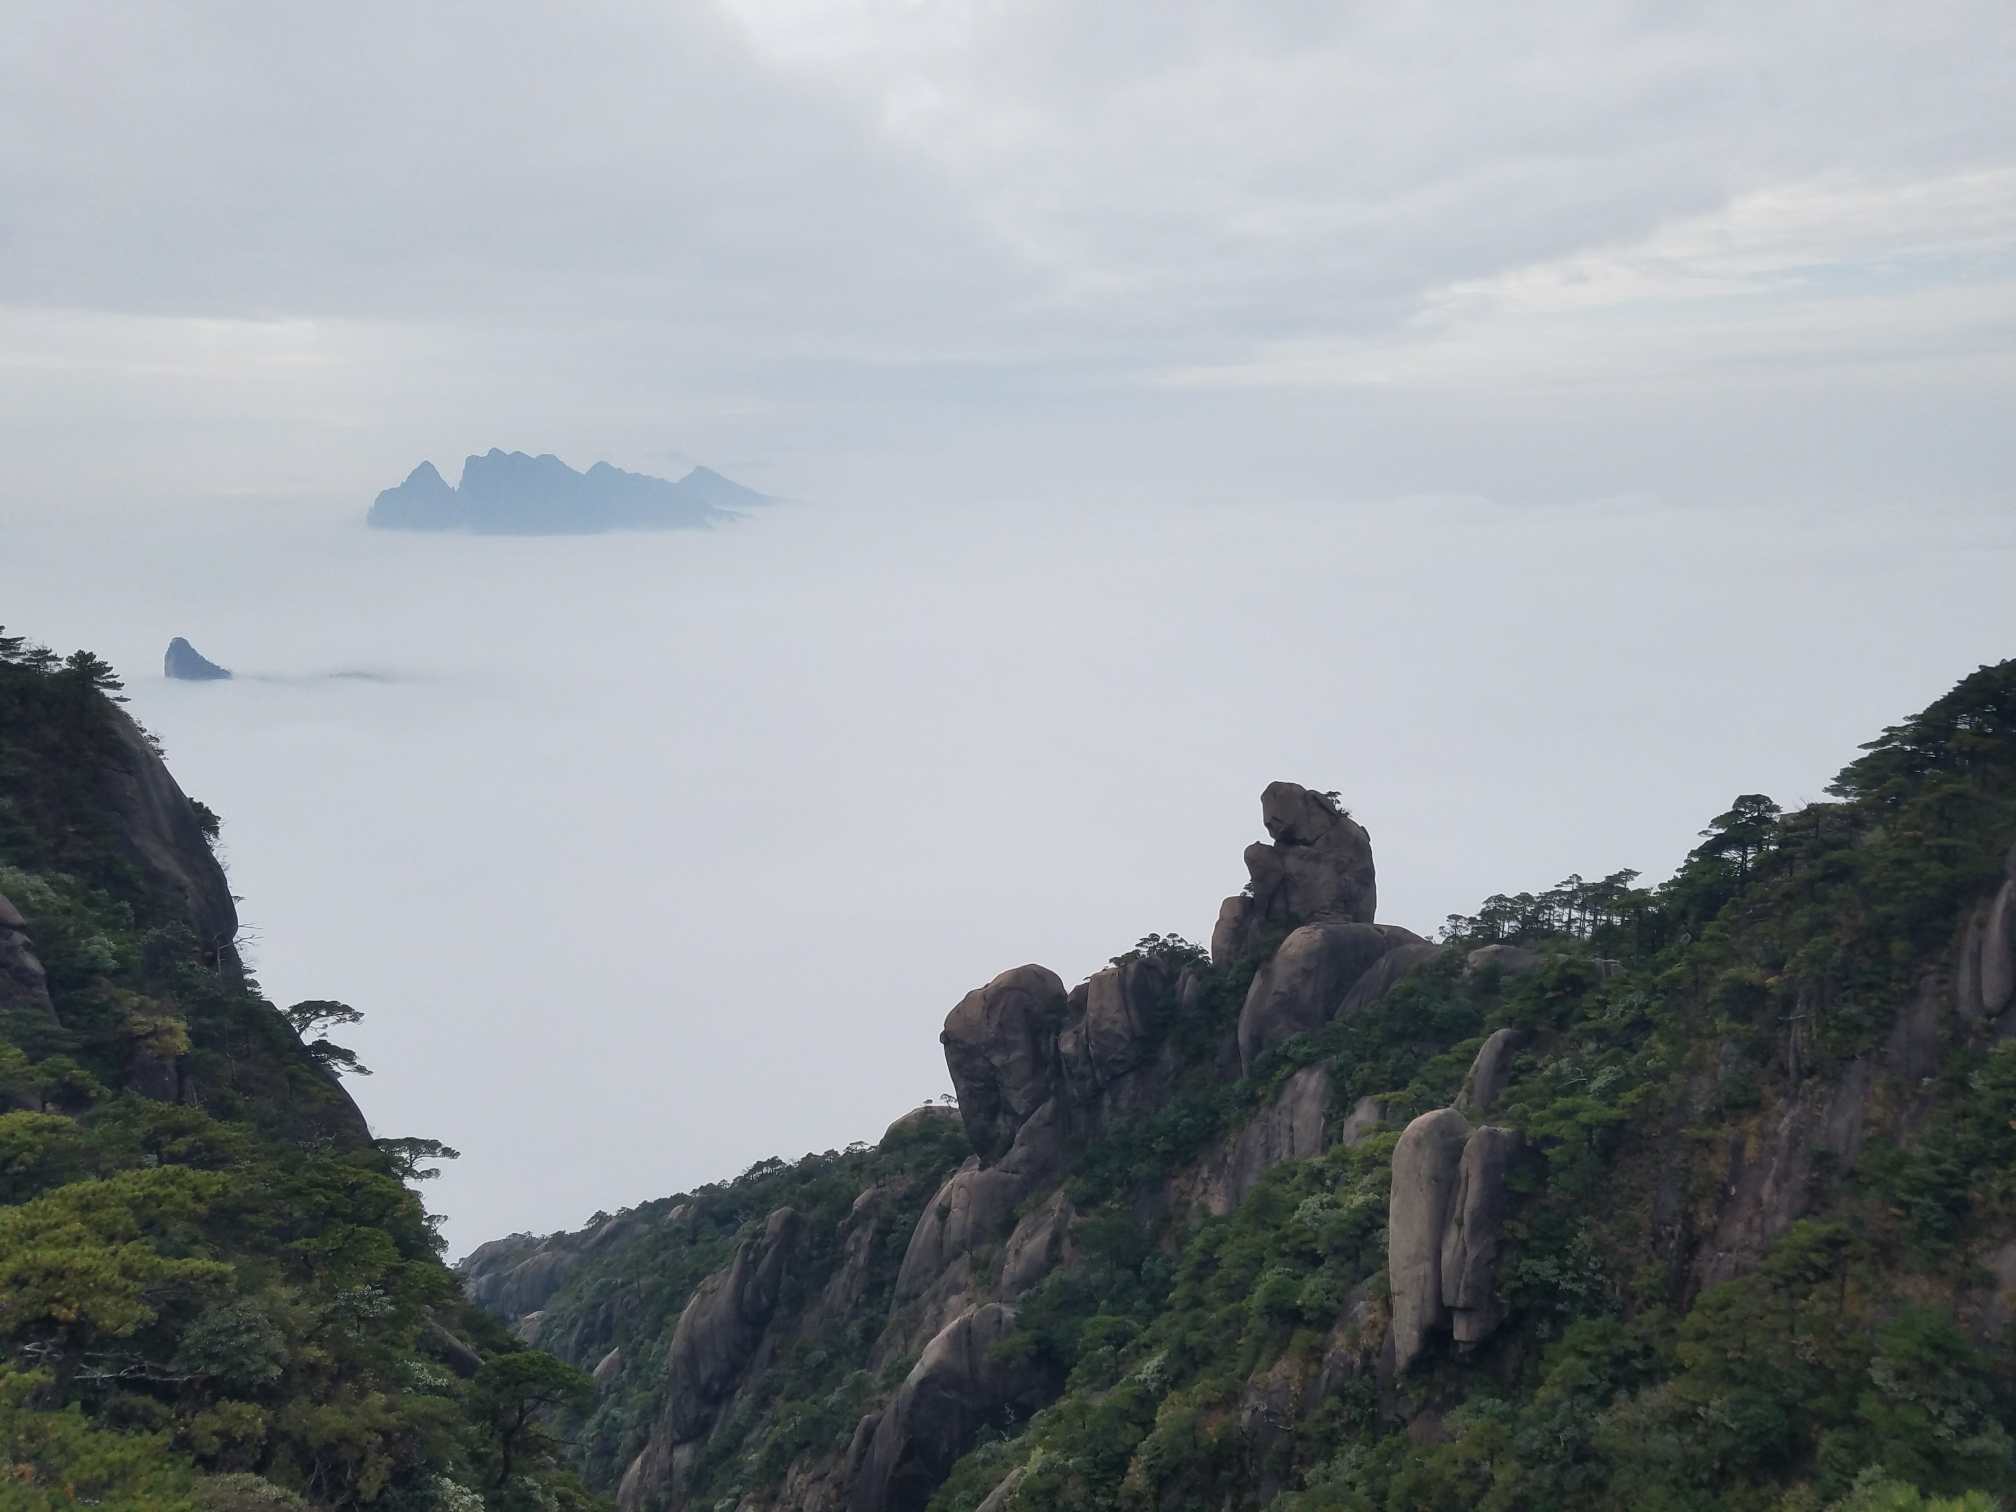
(1697,1196)
(216,1288)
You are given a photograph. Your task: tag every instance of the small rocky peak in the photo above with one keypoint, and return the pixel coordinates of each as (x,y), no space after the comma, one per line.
(186,664)
(1318,869)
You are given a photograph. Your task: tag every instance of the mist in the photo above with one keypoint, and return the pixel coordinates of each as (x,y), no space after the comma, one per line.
(1538,431)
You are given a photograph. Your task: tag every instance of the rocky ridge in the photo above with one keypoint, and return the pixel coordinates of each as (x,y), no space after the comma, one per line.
(1228,1223)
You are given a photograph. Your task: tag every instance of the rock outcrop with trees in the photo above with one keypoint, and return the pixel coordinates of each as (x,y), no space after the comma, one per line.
(1696,1196)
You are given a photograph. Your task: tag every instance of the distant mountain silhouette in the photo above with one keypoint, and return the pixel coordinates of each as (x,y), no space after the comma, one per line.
(185,662)
(509,493)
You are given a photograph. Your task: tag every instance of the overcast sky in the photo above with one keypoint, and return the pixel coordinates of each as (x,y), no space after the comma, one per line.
(1540,424)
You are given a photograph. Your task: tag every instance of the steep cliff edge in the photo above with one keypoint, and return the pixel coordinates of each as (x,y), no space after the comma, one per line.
(217,1289)
(1695,1196)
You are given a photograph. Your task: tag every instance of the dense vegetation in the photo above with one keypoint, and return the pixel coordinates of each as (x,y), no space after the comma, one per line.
(233,1300)
(1850,1360)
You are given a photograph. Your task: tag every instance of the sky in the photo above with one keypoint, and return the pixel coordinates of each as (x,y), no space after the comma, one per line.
(1540,425)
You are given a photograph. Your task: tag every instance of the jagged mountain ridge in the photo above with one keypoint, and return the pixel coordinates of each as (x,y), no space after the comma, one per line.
(1340,1217)
(511,493)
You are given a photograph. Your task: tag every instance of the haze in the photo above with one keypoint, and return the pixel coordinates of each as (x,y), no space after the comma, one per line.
(1539,426)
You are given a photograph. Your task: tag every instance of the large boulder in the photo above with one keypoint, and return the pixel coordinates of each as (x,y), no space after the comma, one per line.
(955,1389)
(1427,1171)
(1512,960)
(1490,1071)
(1106,1025)
(1037,1246)
(723,1323)
(1319,866)
(1383,973)
(999,1043)
(712,1345)
(1470,1242)
(971,1209)
(23,982)
(1302,985)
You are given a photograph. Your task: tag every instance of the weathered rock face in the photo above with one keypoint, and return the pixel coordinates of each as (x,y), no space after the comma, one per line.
(1444,1223)
(714,1340)
(719,1330)
(187,664)
(1106,1024)
(523,1283)
(1367,1115)
(1513,960)
(1427,1170)
(1319,867)
(1987,976)
(23,982)
(1292,1127)
(997,1047)
(160,834)
(970,1210)
(1470,1243)
(1037,1246)
(950,1394)
(1384,972)
(1301,987)
(1491,1072)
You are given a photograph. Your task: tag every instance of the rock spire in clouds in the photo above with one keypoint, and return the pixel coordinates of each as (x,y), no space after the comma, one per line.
(512,494)
(186,663)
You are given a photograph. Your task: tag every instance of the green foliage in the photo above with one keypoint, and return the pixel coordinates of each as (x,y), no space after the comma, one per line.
(231,1307)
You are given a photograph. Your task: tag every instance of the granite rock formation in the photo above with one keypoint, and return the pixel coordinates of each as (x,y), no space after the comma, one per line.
(1319,867)
(23,982)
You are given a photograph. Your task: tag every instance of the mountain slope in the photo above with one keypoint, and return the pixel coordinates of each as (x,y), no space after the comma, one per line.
(1695,1197)
(217,1290)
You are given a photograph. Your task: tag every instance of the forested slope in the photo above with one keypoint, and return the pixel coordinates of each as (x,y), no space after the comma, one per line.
(217,1290)
(1701,1196)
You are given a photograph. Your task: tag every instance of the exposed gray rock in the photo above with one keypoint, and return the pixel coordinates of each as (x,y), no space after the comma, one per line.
(1513,960)
(1366,1115)
(1997,956)
(1769,1183)
(1470,1242)
(1319,867)
(1300,988)
(1359,1343)
(184,662)
(1427,1170)
(1106,1024)
(607,1368)
(712,1344)
(23,982)
(998,1049)
(1383,973)
(917,1118)
(456,1354)
(997,1499)
(1238,926)
(953,1391)
(1490,1072)
(1036,1247)
(972,1209)
(1321,861)
(1289,1128)
(516,1286)
(158,830)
